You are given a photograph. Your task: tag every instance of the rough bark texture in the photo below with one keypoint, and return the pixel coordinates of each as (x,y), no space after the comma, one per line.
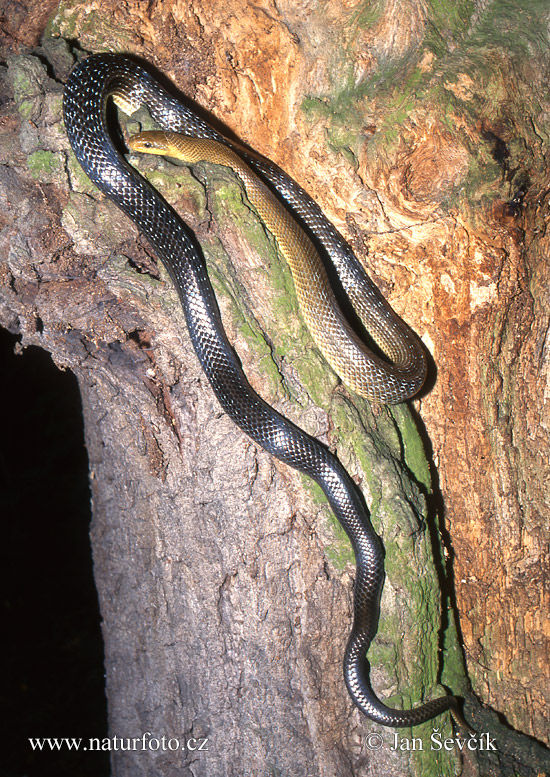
(224,586)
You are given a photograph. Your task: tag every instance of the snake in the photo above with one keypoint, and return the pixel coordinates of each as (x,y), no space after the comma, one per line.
(101,77)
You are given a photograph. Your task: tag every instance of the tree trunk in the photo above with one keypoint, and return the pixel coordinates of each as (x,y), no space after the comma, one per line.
(225,586)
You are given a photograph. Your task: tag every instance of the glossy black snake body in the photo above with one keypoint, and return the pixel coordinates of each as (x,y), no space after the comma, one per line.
(90,85)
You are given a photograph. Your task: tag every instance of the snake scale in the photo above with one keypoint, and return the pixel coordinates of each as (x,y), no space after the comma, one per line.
(104,76)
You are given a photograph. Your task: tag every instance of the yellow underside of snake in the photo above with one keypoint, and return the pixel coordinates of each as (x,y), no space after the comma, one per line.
(355,364)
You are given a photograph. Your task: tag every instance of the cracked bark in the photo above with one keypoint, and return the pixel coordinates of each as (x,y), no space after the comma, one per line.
(226,609)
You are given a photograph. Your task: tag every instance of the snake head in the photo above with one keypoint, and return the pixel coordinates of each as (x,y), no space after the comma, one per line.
(151,142)
(183,147)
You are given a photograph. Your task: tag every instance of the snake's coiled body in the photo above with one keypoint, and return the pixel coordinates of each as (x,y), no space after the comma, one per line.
(86,94)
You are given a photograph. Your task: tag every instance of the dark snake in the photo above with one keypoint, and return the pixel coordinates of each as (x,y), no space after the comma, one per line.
(91,84)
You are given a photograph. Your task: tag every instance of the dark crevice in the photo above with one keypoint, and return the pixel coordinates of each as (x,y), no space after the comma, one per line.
(52,658)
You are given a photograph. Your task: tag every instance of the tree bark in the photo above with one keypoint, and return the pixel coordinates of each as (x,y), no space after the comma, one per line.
(225,586)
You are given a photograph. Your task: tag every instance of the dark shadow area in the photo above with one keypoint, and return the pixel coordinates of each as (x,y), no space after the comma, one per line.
(52,662)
